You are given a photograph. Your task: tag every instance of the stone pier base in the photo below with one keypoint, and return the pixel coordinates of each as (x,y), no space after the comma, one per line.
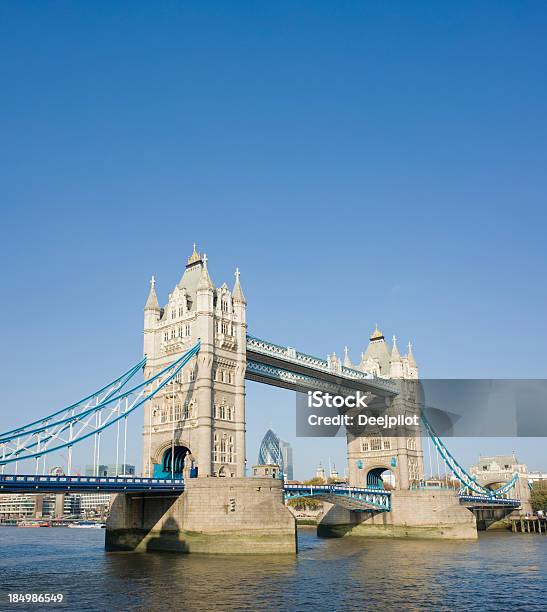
(212,516)
(414,514)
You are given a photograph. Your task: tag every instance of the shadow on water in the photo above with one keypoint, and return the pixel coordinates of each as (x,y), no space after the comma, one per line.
(499,571)
(171,581)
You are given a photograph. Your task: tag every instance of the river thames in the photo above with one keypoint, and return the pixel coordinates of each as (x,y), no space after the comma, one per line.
(499,571)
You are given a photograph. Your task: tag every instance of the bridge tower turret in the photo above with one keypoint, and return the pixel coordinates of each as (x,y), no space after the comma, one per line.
(200,416)
(411,367)
(152,314)
(204,382)
(240,332)
(395,362)
(376,452)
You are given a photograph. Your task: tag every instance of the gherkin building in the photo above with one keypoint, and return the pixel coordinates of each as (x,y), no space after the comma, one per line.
(270,451)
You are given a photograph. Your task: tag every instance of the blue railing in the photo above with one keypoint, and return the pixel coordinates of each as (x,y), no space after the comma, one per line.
(377,499)
(25,483)
(289,354)
(13,449)
(486,500)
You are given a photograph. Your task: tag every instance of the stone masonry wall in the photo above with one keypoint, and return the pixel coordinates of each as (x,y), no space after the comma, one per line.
(213,515)
(414,514)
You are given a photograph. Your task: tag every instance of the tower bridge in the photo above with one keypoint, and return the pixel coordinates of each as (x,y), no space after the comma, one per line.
(198,356)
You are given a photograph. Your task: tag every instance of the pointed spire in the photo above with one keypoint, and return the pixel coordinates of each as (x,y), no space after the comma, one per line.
(347,361)
(205,280)
(152,301)
(194,258)
(410,355)
(377,334)
(237,293)
(395,355)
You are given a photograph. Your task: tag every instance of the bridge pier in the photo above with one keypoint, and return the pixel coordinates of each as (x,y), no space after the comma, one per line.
(492,517)
(212,516)
(414,514)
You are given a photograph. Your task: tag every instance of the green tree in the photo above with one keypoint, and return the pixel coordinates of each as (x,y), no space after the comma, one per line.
(304,503)
(314,481)
(538,499)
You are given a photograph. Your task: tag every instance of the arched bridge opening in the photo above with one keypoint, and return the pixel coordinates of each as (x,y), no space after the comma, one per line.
(380,478)
(176,463)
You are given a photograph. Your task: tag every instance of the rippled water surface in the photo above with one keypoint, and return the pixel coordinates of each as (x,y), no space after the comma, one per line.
(501,571)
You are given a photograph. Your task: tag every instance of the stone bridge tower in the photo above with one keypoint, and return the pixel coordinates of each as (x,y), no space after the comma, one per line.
(377,453)
(196,425)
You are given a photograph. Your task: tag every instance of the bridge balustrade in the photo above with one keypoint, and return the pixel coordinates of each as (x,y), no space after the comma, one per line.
(27,482)
(292,355)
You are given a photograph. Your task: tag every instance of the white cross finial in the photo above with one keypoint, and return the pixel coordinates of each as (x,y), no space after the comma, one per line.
(153,281)
(394,340)
(237,273)
(205,260)
(410,347)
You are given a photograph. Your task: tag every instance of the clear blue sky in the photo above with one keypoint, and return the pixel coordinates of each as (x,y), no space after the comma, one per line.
(361,162)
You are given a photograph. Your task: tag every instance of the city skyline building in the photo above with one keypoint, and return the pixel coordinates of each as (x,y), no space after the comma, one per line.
(111,469)
(320,472)
(274,451)
(287,454)
(18,506)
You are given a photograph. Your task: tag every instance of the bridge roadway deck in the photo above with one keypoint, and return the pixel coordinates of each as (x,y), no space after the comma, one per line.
(481,501)
(25,483)
(352,498)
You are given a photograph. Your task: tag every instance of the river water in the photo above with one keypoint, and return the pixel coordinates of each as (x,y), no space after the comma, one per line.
(499,571)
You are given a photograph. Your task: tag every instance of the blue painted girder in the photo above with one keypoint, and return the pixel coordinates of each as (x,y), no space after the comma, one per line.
(24,483)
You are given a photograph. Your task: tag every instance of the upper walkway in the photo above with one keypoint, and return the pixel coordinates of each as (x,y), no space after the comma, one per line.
(284,366)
